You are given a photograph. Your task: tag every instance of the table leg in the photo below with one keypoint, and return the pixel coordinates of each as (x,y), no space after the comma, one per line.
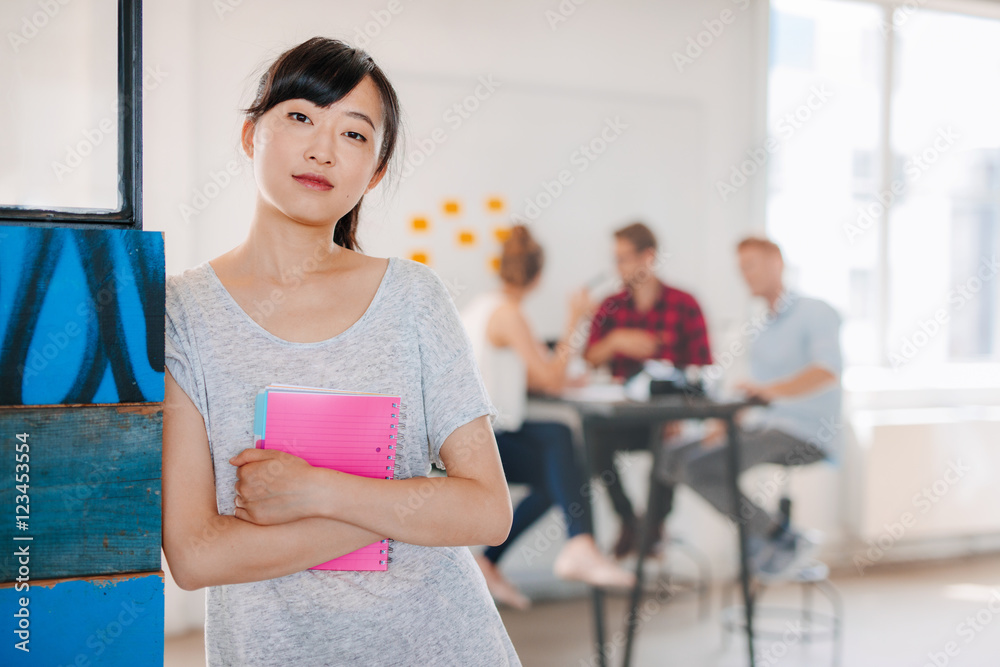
(734,480)
(598,593)
(646,532)
(602,658)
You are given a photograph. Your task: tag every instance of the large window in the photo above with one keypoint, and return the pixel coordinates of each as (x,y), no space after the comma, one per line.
(886,195)
(71,115)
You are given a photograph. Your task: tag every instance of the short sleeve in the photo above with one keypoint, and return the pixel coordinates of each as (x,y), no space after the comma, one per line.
(180,355)
(453,390)
(823,342)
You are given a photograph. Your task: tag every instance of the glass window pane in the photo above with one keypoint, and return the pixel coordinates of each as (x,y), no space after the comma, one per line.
(59,105)
(824,103)
(943,228)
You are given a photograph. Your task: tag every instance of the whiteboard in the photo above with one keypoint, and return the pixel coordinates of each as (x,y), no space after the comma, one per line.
(574,164)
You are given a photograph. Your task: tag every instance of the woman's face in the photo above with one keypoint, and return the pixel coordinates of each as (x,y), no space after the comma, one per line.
(312,163)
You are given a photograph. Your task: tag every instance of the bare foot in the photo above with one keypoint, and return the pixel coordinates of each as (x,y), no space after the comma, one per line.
(581,560)
(502,590)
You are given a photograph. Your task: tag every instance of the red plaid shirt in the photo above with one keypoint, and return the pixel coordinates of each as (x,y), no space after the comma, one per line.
(675,317)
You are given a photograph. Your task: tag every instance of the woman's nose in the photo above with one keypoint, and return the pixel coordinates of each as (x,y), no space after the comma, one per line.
(321,149)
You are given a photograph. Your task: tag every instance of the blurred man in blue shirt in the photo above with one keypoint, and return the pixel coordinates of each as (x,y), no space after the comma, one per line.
(795,365)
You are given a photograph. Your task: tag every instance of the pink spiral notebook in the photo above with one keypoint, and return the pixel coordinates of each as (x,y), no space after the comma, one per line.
(347,431)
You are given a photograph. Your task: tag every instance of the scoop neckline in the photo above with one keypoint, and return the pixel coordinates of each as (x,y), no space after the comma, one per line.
(217,282)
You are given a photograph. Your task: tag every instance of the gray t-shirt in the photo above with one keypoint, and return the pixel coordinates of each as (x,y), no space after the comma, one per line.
(432,606)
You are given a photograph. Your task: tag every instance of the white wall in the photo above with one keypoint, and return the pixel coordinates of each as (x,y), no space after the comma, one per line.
(604,55)
(615,53)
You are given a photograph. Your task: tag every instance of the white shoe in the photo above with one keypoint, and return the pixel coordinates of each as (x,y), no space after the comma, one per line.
(782,557)
(581,560)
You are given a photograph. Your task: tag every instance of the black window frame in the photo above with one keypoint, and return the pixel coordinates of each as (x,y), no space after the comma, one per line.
(129,216)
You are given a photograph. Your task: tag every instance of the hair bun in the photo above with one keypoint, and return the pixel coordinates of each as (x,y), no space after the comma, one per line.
(521,256)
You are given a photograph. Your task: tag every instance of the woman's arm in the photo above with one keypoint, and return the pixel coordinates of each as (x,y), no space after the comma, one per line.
(470,506)
(546,372)
(204,548)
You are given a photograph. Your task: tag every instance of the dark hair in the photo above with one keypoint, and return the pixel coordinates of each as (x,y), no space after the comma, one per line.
(521,258)
(323,71)
(639,235)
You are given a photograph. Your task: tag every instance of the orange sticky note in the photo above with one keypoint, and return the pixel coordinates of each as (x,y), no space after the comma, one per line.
(501,233)
(494,204)
(420,224)
(466,237)
(420,256)
(451,206)
(495,264)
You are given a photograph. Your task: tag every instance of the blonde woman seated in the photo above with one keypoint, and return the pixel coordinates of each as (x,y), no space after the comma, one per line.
(539,454)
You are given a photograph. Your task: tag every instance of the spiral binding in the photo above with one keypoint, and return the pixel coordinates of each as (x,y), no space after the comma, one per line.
(387,550)
(390,468)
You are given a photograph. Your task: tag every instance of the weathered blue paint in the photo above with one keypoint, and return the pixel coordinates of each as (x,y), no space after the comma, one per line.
(86,622)
(93,489)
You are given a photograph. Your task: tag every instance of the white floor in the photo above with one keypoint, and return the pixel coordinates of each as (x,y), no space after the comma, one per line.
(904,615)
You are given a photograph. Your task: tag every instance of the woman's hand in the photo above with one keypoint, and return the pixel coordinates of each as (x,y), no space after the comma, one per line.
(580,306)
(274,487)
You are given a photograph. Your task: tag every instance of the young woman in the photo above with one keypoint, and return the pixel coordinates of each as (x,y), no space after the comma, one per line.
(296,302)
(539,454)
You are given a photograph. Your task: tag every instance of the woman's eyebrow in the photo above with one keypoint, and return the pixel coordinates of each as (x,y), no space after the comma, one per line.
(360,116)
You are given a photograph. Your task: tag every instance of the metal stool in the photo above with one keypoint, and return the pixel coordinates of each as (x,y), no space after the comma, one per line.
(698,584)
(815,625)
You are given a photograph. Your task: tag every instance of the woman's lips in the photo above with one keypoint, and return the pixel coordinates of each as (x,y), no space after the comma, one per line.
(313,182)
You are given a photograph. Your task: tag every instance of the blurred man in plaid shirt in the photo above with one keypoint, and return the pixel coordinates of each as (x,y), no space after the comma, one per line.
(646,320)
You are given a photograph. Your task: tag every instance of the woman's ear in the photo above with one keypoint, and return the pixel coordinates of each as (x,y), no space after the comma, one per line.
(246,137)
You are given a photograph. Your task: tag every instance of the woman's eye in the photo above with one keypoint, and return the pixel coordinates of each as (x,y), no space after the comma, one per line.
(295,115)
(356,135)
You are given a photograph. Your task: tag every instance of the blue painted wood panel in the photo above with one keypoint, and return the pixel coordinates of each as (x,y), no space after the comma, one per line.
(84,622)
(93,488)
(81,316)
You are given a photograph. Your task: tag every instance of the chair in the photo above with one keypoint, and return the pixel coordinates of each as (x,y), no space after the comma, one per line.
(772,621)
